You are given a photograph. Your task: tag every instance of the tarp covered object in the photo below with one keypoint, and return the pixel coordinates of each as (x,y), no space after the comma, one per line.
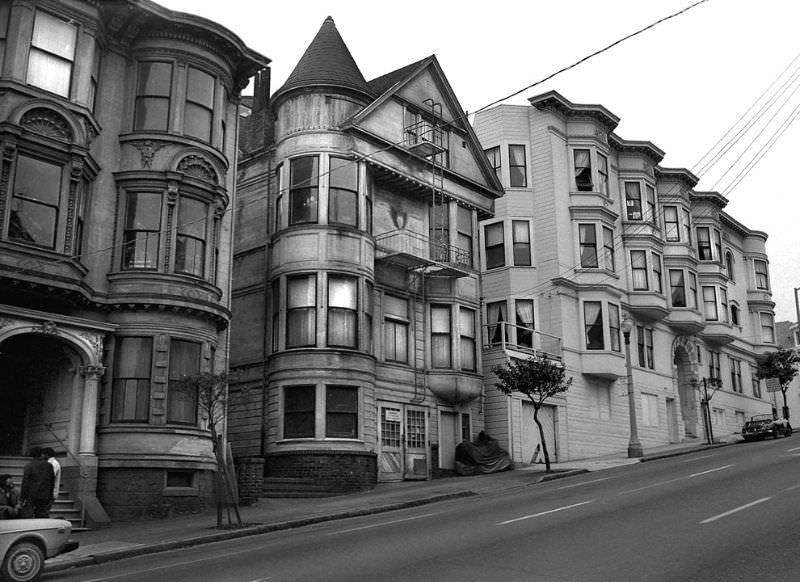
(483,455)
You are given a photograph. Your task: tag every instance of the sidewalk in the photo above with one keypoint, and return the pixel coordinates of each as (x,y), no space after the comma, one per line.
(125,540)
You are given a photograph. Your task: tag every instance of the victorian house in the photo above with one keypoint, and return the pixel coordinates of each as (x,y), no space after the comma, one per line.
(357,300)
(118,129)
(595,244)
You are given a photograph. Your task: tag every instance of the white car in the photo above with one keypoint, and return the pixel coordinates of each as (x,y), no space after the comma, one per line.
(26,543)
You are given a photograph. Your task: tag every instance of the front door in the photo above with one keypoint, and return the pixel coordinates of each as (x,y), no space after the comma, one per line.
(403,438)
(448,431)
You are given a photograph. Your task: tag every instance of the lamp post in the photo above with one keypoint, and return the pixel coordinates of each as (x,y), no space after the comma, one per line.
(634,446)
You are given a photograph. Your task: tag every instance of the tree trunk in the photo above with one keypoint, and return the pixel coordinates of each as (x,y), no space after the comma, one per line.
(541,437)
(785,405)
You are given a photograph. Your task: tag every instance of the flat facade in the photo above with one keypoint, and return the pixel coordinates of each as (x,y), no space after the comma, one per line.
(118,129)
(356,295)
(593,231)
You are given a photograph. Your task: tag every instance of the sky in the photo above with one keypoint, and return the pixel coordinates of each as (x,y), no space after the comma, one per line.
(682,85)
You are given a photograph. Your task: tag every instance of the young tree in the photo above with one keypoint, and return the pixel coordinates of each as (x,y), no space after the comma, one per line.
(538,379)
(211,391)
(782,365)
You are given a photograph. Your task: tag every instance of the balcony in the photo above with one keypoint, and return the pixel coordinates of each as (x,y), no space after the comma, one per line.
(424,138)
(412,251)
(521,342)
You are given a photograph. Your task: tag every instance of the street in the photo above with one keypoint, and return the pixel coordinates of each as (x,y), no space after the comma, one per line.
(723,514)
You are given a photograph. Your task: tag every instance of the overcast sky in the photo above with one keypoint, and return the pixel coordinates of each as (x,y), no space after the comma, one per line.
(681,85)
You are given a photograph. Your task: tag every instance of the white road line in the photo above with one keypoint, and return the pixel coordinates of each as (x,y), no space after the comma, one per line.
(697,459)
(582,484)
(736,510)
(710,471)
(333,533)
(541,513)
(792,488)
(652,485)
(793,450)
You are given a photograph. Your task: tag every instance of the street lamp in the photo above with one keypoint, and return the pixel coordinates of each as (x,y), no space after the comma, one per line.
(634,446)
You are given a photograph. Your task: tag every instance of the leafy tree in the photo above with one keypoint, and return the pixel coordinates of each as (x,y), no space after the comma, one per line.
(782,365)
(538,379)
(211,391)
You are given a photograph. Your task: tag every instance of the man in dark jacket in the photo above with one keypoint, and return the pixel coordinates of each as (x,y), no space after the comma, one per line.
(38,481)
(9,498)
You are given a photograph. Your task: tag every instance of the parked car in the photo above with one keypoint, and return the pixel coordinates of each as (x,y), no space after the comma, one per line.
(763,425)
(26,543)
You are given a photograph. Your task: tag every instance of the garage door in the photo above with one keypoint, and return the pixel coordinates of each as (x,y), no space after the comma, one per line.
(531,443)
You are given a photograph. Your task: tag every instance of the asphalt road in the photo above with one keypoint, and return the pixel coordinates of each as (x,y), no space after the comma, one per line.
(723,514)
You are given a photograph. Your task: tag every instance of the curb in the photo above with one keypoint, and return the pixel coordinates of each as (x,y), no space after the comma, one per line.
(553,476)
(686,451)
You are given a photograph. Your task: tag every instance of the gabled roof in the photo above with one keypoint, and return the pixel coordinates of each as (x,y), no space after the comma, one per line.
(386,81)
(327,62)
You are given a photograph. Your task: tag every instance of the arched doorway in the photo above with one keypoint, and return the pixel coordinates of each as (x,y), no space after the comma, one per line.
(686,379)
(40,381)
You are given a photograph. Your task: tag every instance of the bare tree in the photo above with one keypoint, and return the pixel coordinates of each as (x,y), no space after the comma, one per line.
(538,379)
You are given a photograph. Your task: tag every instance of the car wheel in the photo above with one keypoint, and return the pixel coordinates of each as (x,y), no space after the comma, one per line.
(788,431)
(23,563)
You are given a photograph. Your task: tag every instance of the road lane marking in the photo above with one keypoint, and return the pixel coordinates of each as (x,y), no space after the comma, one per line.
(792,488)
(541,513)
(710,471)
(333,533)
(793,450)
(697,459)
(582,484)
(736,510)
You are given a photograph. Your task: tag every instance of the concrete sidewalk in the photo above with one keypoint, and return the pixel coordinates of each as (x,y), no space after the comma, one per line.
(124,540)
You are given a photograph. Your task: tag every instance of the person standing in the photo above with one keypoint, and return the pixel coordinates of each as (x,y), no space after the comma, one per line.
(9,498)
(50,455)
(36,494)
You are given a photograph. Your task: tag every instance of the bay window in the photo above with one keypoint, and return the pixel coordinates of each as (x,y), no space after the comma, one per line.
(395,329)
(767,321)
(583,170)
(198,112)
(672,231)
(342,311)
(587,238)
(614,326)
(633,200)
(130,389)
(602,175)
(608,249)
(495,319)
(341,412)
(651,203)
(677,288)
(593,325)
(704,249)
(494,245)
(184,361)
(639,270)
(441,356)
(658,284)
(301,308)
(343,192)
(303,190)
(692,291)
(190,252)
(467,339)
(299,411)
(153,96)
(521,235)
(52,54)
(710,303)
(525,323)
(142,230)
(762,276)
(517,167)
(35,202)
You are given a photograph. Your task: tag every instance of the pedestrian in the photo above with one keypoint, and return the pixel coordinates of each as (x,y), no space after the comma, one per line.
(50,455)
(9,498)
(36,493)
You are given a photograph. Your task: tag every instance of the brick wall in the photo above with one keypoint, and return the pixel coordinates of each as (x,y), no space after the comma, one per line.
(250,477)
(343,470)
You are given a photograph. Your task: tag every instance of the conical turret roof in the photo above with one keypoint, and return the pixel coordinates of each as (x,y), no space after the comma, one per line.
(327,62)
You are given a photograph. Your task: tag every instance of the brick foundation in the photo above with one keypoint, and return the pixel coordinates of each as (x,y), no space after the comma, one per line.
(250,477)
(337,470)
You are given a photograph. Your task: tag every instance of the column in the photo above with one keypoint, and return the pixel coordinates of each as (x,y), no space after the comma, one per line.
(92,375)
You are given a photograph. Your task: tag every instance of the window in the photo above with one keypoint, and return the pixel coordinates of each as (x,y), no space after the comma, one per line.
(496,319)
(588,246)
(633,200)
(199,111)
(723,304)
(279,197)
(714,366)
(440,336)
(80,214)
(464,236)
(719,416)
(275,300)
(608,249)
(466,329)
(755,382)
(677,288)
(717,245)
(493,155)
(525,323)
(3,29)
(672,231)
(341,412)
(342,311)
(466,431)
(343,192)
(593,324)
(767,328)
(303,190)
(516,166)
(369,308)
(180,479)
(153,96)
(687,226)
(639,270)
(729,265)
(710,303)
(495,248)
(583,170)
(301,306)
(184,360)
(190,251)
(644,338)
(521,234)
(141,236)
(613,327)
(762,278)
(649,409)
(734,314)
(35,202)
(94,78)
(395,329)
(704,244)
(439,221)
(736,374)
(692,290)
(658,284)
(52,54)
(299,411)
(602,174)
(130,393)
(650,192)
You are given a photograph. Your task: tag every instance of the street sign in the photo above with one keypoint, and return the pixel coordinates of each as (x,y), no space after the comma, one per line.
(773,385)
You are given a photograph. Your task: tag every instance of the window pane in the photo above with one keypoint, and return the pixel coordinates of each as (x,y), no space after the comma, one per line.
(525,324)
(200,88)
(588,246)
(495,249)
(342,292)
(184,360)
(613,326)
(677,288)
(522,242)
(152,103)
(197,121)
(54,35)
(298,412)
(49,72)
(304,180)
(142,225)
(301,292)
(710,303)
(341,412)
(38,180)
(343,207)
(633,200)
(130,399)
(593,321)
(155,79)
(517,173)
(583,170)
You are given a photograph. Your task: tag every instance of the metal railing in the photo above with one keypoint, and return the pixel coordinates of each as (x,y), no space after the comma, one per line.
(418,245)
(507,336)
